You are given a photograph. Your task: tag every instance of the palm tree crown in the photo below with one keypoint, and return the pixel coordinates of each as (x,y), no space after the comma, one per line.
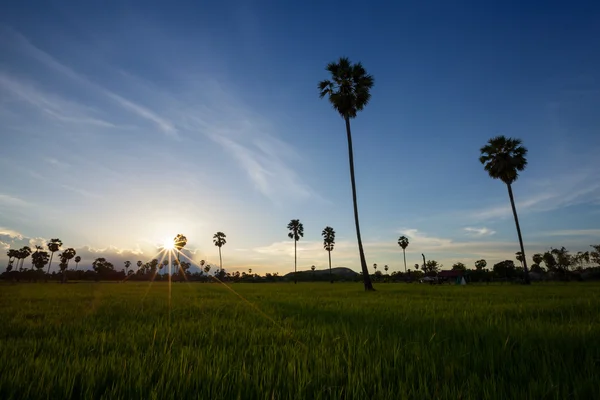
(328,238)
(349,87)
(296,229)
(503,158)
(403,242)
(219,239)
(180,241)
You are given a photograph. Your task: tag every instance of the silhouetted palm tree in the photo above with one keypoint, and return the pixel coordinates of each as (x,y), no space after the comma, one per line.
(386,268)
(313,271)
(403,242)
(537,258)
(180,242)
(24,252)
(127,265)
(164,264)
(139,265)
(349,92)
(503,159)
(12,256)
(40,259)
(53,245)
(296,232)
(480,264)
(328,244)
(519,257)
(77,261)
(219,241)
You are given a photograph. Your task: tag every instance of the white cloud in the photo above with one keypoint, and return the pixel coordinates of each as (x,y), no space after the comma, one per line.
(479,232)
(10,233)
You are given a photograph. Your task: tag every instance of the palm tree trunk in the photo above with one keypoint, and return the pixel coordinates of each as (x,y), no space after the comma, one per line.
(330,274)
(514,209)
(295,269)
(220,259)
(404,252)
(50,263)
(363,262)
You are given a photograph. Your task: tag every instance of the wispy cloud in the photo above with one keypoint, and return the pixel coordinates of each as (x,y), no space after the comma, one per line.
(479,232)
(578,186)
(574,232)
(49,61)
(13,201)
(51,105)
(80,191)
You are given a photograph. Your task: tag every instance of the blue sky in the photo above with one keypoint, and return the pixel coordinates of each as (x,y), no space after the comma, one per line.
(122,124)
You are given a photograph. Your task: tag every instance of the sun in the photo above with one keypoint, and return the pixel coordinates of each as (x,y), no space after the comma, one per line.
(168,244)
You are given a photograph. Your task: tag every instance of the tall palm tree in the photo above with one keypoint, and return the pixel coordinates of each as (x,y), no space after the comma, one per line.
(386,268)
(219,241)
(164,264)
(53,245)
(24,252)
(313,271)
(349,92)
(296,232)
(503,158)
(139,264)
(328,244)
(12,255)
(180,242)
(68,255)
(37,250)
(403,242)
(127,265)
(77,261)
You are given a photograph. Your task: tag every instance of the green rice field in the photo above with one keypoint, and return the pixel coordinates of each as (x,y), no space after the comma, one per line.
(305,341)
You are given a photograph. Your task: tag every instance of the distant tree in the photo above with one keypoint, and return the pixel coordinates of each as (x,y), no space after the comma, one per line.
(403,242)
(480,265)
(505,268)
(40,259)
(459,267)
(103,267)
(431,266)
(386,268)
(68,255)
(77,261)
(416,266)
(250,270)
(595,254)
(53,245)
(519,257)
(549,261)
(349,92)
(503,159)
(12,256)
(24,252)
(328,244)
(219,241)
(179,243)
(537,258)
(563,259)
(207,268)
(164,264)
(313,271)
(581,258)
(127,265)
(296,232)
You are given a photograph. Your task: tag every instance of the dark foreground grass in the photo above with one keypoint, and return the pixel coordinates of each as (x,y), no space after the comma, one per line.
(306,341)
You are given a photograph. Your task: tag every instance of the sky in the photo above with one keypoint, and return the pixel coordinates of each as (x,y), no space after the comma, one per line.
(124,123)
